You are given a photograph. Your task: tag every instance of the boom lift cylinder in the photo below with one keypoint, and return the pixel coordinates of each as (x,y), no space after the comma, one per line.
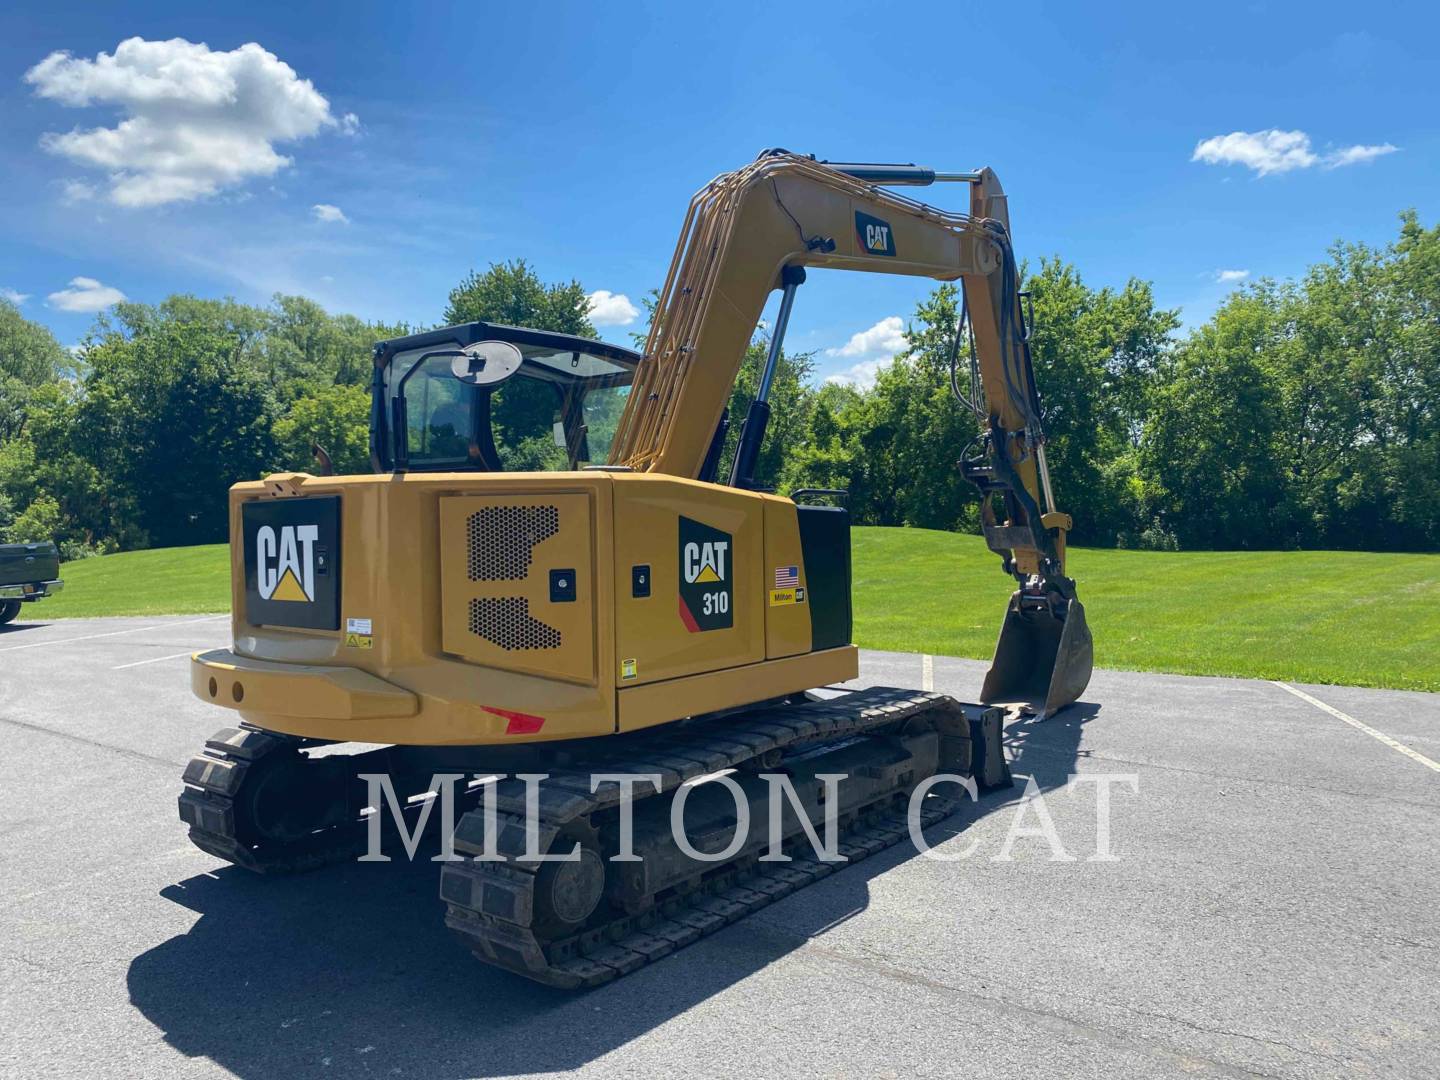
(757,419)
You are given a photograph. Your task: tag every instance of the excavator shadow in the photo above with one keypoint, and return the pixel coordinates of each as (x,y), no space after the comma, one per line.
(350,970)
(1047,750)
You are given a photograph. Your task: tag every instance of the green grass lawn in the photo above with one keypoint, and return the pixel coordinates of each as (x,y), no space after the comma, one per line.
(1359,618)
(1311,616)
(162,581)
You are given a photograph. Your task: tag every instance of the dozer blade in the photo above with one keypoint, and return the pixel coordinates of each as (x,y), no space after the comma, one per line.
(1040,658)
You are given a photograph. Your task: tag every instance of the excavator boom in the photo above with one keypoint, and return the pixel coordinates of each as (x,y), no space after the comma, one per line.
(756,229)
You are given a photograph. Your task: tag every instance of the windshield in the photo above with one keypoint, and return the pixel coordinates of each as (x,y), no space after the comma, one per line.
(559,411)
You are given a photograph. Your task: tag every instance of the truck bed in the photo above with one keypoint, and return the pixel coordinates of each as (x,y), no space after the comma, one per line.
(28,571)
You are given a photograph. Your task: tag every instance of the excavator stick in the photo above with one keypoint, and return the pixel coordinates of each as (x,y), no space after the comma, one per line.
(1044,656)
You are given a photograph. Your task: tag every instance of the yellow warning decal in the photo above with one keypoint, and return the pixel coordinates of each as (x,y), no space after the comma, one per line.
(359,641)
(289,588)
(627,669)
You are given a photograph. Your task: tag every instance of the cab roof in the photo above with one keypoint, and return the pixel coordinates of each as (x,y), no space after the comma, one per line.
(469,333)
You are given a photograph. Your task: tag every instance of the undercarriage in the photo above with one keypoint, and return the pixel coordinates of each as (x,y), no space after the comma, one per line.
(727,813)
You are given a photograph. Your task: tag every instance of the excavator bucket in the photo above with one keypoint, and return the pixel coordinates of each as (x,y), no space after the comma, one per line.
(1041,659)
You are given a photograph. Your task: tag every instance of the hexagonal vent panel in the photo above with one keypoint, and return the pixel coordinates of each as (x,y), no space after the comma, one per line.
(502,539)
(506,621)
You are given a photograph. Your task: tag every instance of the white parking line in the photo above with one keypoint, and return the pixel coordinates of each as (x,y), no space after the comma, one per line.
(1386,739)
(112,633)
(153,660)
(927,672)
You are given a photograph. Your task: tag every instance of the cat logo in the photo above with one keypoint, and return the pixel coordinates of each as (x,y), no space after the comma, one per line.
(705,562)
(706,577)
(285,565)
(874,235)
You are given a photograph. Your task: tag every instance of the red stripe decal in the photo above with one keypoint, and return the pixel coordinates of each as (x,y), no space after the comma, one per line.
(687,618)
(517,723)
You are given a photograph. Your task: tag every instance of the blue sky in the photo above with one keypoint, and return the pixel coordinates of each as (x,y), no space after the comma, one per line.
(1172,143)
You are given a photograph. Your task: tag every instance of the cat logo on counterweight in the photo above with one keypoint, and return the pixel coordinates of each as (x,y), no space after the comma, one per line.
(292,561)
(285,566)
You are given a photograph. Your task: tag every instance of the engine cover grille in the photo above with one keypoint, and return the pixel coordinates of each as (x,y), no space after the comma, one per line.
(501,540)
(506,621)
(498,555)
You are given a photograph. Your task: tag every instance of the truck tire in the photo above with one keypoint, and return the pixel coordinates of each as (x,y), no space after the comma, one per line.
(8,610)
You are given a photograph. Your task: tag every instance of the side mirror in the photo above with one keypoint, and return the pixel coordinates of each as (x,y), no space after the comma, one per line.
(486,363)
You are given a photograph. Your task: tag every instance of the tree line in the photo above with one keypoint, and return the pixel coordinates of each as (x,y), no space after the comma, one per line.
(1302,414)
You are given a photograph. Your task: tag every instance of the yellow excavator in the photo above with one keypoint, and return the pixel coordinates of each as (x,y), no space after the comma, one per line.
(544,586)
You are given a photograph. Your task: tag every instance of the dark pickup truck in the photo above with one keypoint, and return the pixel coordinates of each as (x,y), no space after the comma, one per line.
(28,572)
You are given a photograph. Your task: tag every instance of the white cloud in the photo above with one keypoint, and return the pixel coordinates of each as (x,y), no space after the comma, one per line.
(861,375)
(350,124)
(1226,277)
(1276,151)
(886,336)
(1264,151)
(872,349)
(85,295)
(326,212)
(16,298)
(195,122)
(74,191)
(1357,155)
(611,309)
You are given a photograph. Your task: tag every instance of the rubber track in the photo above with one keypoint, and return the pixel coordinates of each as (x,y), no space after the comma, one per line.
(208,806)
(490,904)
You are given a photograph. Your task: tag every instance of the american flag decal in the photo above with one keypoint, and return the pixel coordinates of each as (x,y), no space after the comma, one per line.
(787,577)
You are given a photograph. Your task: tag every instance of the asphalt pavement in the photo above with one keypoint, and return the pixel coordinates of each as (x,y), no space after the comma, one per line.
(1269,907)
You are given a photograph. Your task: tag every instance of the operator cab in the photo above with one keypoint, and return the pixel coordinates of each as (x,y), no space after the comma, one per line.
(493,398)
